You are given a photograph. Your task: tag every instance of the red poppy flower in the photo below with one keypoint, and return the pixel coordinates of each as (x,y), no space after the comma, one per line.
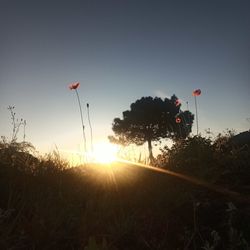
(196,92)
(74,85)
(178,120)
(177,103)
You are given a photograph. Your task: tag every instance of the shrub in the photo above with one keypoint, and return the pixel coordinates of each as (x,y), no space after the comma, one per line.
(193,153)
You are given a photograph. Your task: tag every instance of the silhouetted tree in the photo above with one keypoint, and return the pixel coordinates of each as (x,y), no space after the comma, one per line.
(150,119)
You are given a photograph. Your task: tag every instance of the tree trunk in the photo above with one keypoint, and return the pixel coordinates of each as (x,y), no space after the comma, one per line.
(151,157)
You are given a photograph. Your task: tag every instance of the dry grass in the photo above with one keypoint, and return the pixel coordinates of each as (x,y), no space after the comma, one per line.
(46,205)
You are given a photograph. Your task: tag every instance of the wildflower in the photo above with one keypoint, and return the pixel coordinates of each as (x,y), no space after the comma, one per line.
(197,92)
(177,102)
(74,85)
(178,120)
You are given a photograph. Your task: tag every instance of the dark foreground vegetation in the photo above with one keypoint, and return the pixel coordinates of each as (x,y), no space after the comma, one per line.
(46,205)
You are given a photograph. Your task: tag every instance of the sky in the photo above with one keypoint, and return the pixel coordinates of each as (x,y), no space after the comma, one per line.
(120,51)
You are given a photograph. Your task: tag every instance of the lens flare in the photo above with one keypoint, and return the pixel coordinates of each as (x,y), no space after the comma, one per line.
(105,152)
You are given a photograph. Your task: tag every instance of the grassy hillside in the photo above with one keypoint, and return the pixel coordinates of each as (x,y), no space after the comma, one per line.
(46,205)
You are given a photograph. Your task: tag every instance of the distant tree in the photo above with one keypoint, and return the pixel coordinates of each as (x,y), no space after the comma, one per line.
(150,119)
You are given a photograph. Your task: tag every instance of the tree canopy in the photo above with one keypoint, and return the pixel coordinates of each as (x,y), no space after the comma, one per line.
(150,119)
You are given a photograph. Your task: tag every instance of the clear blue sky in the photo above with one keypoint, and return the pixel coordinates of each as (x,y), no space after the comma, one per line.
(121,50)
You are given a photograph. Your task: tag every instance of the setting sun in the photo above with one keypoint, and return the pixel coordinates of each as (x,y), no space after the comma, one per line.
(105,152)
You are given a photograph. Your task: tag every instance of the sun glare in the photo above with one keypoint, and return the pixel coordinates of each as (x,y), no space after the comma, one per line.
(105,152)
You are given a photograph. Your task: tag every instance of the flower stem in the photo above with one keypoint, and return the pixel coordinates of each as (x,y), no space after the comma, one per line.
(83,133)
(91,132)
(197,125)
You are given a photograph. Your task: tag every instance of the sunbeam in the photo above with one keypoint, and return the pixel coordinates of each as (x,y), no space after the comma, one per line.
(218,189)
